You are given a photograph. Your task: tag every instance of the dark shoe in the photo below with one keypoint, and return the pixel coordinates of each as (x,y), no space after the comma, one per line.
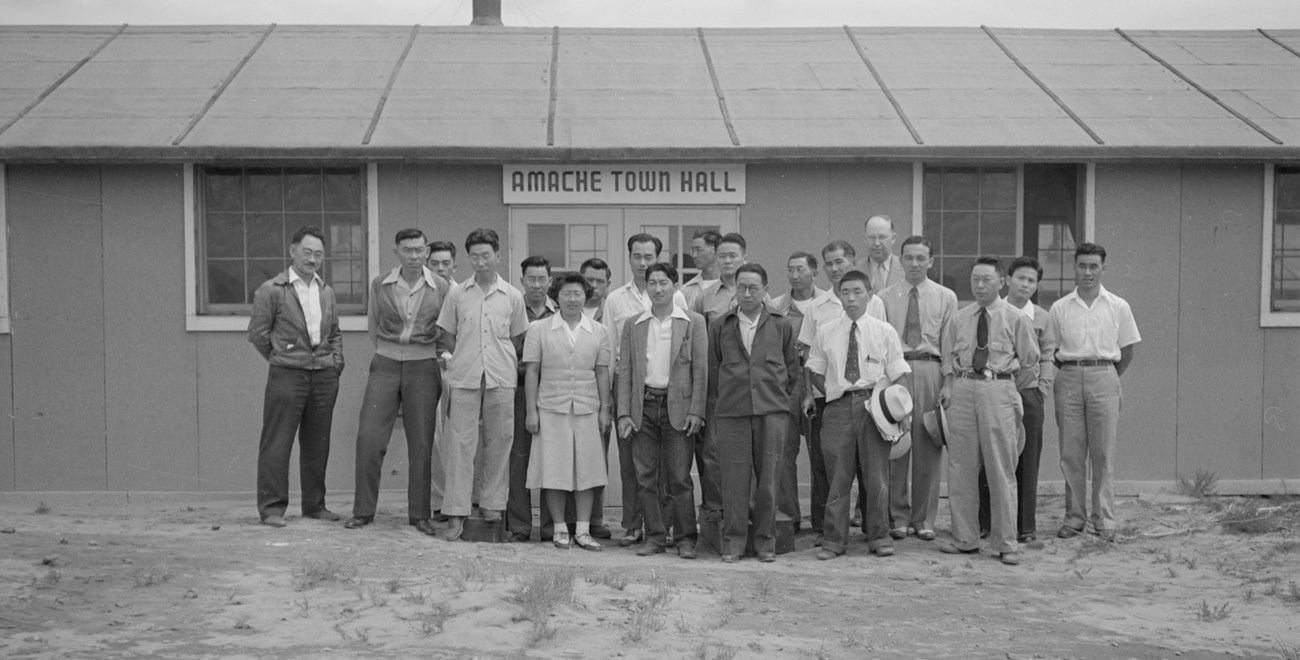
(984,533)
(730,559)
(650,549)
(455,526)
(274,521)
(323,514)
(631,537)
(491,516)
(1027,538)
(825,554)
(767,557)
(898,533)
(601,532)
(519,537)
(356,522)
(423,526)
(818,539)
(925,534)
(686,549)
(585,542)
(1010,558)
(440,517)
(884,551)
(952,549)
(1067,532)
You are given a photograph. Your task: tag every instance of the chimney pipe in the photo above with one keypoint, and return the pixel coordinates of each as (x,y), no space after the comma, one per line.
(487,12)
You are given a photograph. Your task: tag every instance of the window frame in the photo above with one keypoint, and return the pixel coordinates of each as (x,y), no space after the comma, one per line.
(4,253)
(197,322)
(1267,317)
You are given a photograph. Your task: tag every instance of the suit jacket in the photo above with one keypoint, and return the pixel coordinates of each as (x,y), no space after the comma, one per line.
(278,327)
(687,373)
(758,382)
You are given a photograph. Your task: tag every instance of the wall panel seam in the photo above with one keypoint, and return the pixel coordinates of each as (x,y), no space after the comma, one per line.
(103,310)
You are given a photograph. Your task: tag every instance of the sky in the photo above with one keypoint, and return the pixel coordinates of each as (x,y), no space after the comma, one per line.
(1075,14)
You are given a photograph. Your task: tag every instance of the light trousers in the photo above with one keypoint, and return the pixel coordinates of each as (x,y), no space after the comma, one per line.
(984,421)
(1088,401)
(918,506)
(496,407)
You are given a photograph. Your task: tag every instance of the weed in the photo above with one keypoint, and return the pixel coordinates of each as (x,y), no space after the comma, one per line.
(615,580)
(715,651)
(315,573)
(472,571)
(682,626)
(377,596)
(415,597)
(852,639)
(363,634)
(1082,574)
(151,578)
(1250,595)
(304,607)
(242,623)
(1211,614)
(48,580)
(1093,545)
(1200,486)
(433,620)
(393,585)
(42,508)
(1246,517)
(1163,557)
(1170,572)
(1286,546)
(1287,651)
(763,585)
(338,628)
(647,614)
(537,595)
(821,653)
(1190,561)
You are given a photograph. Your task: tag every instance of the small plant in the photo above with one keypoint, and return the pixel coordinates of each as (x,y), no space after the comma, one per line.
(1211,614)
(42,508)
(647,614)
(1287,651)
(1170,572)
(1201,485)
(363,634)
(434,619)
(1286,546)
(1190,561)
(715,651)
(537,595)
(315,573)
(1163,557)
(1247,518)
(48,580)
(615,580)
(763,586)
(415,597)
(377,596)
(852,639)
(304,606)
(151,578)
(393,585)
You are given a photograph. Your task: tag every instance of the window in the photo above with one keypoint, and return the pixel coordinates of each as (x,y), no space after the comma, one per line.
(567,246)
(248,216)
(1280,299)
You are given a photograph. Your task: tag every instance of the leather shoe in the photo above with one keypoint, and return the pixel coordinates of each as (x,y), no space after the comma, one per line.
(455,526)
(518,537)
(650,549)
(1026,538)
(491,516)
(856,520)
(767,557)
(274,521)
(356,522)
(423,526)
(1010,558)
(925,534)
(323,514)
(440,517)
(631,537)
(884,551)
(1067,532)
(825,554)
(730,559)
(898,533)
(952,549)
(601,532)
(686,549)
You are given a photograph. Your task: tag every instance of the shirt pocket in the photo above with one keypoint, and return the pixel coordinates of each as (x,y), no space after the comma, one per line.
(1001,353)
(501,328)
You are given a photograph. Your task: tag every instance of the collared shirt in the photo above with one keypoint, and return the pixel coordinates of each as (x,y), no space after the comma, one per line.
(658,346)
(1011,341)
(883,275)
(697,287)
(827,308)
(1095,332)
(567,370)
(748,327)
(408,298)
(628,302)
(1044,374)
(483,324)
(309,295)
(880,353)
(594,313)
(935,303)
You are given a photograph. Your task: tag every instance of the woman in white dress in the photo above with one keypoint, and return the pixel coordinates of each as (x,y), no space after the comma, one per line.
(566,388)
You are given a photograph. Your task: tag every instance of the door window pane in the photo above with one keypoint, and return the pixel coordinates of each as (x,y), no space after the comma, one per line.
(1286,241)
(968,212)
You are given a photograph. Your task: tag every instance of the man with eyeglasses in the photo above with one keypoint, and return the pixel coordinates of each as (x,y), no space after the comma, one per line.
(403,323)
(880,262)
(704,252)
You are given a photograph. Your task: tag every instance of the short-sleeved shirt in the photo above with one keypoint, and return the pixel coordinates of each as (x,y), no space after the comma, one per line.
(697,287)
(624,303)
(879,354)
(1092,333)
(935,305)
(568,361)
(1010,341)
(483,324)
(1044,374)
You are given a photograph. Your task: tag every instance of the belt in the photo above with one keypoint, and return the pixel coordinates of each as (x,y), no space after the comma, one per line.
(656,392)
(921,356)
(1085,363)
(984,375)
(856,394)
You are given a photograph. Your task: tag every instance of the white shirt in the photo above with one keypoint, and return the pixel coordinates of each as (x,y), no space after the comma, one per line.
(879,353)
(1027,310)
(584,325)
(748,328)
(628,302)
(1096,332)
(309,295)
(658,346)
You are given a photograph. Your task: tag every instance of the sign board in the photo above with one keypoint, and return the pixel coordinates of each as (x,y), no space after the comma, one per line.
(623,184)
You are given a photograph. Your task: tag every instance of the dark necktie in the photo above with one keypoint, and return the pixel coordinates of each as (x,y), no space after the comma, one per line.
(981,359)
(912,327)
(852,372)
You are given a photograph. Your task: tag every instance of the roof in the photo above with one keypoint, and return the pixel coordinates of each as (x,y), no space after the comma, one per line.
(500,93)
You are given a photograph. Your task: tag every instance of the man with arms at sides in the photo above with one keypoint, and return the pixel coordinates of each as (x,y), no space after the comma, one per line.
(1034,382)
(704,251)
(880,264)
(753,371)
(621,305)
(484,321)
(403,324)
(852,357)
(1094,334)
(442,261)
(984,346)
(597,274)
(295,328)
(662,393)
(535,282)
(919,309)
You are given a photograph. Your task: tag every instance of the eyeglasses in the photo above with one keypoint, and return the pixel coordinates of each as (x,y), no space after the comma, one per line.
(536,281)
(413,252)
(750,290)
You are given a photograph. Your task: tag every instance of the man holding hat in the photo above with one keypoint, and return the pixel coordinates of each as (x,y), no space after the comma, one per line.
(851,360)
(984,346)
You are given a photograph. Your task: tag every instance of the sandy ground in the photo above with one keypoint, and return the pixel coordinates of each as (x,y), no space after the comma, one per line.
(205,580)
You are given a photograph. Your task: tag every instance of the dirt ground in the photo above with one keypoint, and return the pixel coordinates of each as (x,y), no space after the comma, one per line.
(204,580)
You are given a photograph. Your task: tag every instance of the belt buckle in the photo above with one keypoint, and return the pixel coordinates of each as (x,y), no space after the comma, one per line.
(988,374)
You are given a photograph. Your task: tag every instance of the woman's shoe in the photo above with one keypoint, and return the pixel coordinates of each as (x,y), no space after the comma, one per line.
(561,540)
(585,542)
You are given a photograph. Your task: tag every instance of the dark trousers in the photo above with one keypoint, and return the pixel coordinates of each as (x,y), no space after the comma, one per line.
(662,455)
(519,500)
(297,402)
(1026,469)
(749,458)
(416,387)
(852,445)
(706,466)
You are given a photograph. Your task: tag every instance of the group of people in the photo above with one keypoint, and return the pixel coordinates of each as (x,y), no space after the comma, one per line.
(878,375)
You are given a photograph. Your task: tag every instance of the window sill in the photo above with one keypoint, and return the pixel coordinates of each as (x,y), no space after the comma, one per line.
(195,323)
(1279,320)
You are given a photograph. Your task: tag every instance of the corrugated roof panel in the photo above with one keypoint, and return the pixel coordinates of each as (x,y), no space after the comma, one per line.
(633,75)
(1003,131)
(827,133)
(794,104)
(472,76)
(667,46)
(619,104)
(631,134)
(1288,37)
(1190,132)
(279,133)
(498,133)
(465,104)
(33,58)
(1244,48)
